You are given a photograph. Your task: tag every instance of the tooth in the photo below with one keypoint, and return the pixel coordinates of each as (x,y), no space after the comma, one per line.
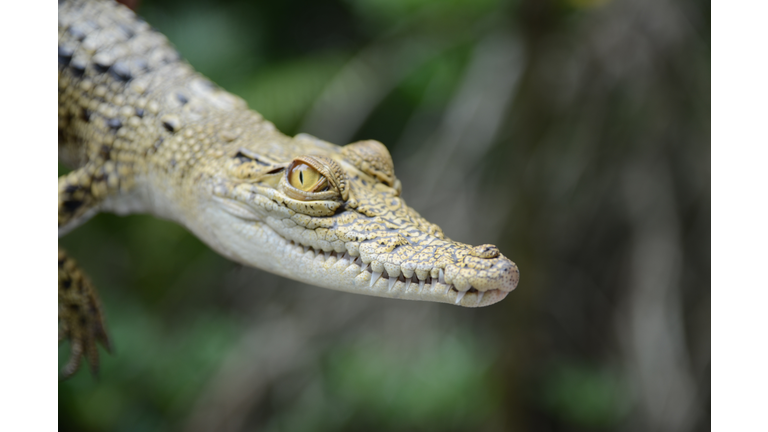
(447,289)
(346,256)
(434,284)
(421,284)
(442,276)
(327,255)
(363,267)
(374,277)
(391,283)
(480,297)
(460,296)
(306,248)
(407,284)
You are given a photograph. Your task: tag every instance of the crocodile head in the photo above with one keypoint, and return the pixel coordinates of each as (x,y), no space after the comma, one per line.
(333,217)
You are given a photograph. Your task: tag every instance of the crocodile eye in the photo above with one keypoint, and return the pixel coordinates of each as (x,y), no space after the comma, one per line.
(305,178)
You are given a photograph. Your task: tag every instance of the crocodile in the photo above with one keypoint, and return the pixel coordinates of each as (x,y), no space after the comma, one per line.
(145,133)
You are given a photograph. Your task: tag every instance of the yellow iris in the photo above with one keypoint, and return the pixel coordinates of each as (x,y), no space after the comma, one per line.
(305,178)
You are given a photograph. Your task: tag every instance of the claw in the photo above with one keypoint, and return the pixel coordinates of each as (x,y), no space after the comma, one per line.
(80,318)
(75,356)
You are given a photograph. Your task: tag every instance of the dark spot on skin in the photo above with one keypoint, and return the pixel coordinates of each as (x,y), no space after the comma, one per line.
(104,152)
(77,67)
(101,67)
(120,71)
(242,158)
(68,118)
(158,143)
(71,206)
(114,124)
(85,115)
(71,189)
(83,321)
(168,126)
(65,55)
(247,156)
(140,112)
(66,283)
(173,163)
(181,98)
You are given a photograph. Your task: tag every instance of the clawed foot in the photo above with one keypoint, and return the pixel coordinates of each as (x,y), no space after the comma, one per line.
(80,317)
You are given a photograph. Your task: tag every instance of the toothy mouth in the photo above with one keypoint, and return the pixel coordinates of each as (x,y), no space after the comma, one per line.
(396,285)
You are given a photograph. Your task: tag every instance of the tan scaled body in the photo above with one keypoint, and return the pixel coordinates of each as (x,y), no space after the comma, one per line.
(146,133)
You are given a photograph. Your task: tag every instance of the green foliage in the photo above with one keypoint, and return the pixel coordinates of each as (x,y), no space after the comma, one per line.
(585,397)
(443,384)
(284,92)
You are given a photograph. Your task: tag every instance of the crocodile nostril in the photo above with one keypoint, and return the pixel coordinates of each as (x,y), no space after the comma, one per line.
(485,251)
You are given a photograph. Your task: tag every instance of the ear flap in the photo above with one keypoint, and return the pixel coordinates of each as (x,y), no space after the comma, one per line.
(372,158)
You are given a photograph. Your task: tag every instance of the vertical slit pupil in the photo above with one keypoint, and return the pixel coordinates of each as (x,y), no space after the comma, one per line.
(301,177)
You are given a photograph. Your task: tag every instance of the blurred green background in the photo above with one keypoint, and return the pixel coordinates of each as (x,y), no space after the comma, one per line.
(573,134)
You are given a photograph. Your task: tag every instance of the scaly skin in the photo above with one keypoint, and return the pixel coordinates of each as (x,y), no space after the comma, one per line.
(146,133)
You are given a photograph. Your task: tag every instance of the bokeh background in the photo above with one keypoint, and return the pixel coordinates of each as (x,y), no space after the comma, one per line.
(573,134)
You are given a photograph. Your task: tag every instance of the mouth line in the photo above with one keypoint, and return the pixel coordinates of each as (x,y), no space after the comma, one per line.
(432,283)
